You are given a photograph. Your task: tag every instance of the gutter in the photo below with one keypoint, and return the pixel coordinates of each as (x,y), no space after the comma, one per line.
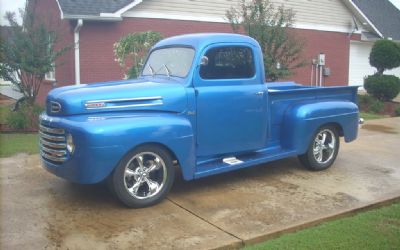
(77,29)
(111,18)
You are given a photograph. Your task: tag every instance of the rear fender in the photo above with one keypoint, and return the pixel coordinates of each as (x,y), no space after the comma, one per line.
(301,121)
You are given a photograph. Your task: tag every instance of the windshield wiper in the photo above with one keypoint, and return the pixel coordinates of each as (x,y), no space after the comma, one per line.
(167,69)
(151,69)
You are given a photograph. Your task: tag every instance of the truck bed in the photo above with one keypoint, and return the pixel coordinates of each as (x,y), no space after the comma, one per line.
(284,94)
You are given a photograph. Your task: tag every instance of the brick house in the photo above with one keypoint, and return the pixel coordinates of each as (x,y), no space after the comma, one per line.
(332,27)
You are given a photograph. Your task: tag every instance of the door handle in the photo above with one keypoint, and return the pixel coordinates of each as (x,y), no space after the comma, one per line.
(260,93)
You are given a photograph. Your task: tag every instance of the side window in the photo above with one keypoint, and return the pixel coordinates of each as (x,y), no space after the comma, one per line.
(233,62)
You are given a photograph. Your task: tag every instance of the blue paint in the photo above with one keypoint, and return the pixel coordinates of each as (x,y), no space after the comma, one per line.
(200,121)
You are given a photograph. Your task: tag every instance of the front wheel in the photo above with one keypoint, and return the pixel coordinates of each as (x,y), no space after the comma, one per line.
(144,177)
(323,149)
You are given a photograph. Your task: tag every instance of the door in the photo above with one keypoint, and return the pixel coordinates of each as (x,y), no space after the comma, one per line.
(231,102)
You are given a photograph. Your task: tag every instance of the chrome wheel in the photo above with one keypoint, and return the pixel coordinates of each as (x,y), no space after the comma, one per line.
(324,146)
(145,175)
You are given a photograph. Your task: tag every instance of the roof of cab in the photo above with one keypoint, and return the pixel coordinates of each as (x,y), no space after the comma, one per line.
(201,40)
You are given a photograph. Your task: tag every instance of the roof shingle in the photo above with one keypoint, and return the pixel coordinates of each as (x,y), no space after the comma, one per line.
(91,7)
(383,14)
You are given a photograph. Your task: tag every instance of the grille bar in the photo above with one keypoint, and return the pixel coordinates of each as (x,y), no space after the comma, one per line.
(51,137)
(54,152)
(53,158)
(57,131)
(53,145)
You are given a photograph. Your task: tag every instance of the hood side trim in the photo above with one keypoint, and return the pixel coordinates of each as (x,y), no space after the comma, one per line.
(124,103)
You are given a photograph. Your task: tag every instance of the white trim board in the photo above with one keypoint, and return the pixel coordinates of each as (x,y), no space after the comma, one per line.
(156,15)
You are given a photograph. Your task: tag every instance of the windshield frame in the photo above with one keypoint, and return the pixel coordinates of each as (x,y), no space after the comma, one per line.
(167,47)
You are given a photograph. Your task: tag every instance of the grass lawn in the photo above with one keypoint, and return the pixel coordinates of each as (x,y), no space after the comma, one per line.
(370,116)
(11,144)
(375,229)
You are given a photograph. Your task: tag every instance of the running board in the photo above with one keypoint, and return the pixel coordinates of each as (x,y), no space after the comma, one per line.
(233,163)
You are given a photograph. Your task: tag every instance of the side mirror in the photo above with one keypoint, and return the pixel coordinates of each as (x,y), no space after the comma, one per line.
(204,61)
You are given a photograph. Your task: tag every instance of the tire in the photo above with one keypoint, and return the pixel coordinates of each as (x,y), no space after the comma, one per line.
(323,149)
(143,177)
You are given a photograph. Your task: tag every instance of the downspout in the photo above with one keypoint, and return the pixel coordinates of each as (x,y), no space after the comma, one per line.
(77,60)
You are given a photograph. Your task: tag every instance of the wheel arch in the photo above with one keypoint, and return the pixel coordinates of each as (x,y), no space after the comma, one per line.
(176,158)
(302,120)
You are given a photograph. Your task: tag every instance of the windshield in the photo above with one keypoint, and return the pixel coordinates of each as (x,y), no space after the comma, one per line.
(174,61)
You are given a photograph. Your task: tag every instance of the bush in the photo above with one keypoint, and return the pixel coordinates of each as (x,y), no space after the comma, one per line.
(382,87)
(25,118)
(397,111)
(385,54)
(376,107)
(365,101)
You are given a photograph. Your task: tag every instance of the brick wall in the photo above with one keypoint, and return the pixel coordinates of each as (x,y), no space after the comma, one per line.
(48,12)
(97,39)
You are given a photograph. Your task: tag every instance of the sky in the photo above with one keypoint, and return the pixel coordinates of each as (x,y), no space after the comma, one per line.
(14,5)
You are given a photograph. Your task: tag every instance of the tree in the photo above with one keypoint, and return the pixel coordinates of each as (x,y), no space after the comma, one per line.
(268,24)
(29,53)
(385,55)
(131,49)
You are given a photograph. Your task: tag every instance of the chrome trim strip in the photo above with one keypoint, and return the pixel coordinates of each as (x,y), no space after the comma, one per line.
(53,145)
(51,137)
(153,98)
(58,131)
(52,158)
(150,98)
(54,152)
(129,106)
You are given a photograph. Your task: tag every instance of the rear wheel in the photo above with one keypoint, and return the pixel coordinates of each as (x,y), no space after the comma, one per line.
(323,149)
(144,177)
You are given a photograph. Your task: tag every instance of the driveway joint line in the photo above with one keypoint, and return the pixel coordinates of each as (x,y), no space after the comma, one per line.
(206,221)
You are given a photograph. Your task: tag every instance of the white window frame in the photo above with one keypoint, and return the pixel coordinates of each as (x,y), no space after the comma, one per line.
(51,75)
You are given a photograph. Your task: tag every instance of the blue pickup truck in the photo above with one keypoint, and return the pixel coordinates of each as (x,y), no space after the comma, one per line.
(201,104)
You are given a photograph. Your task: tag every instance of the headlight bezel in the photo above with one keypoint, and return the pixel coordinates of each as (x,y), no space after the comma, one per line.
(70,143)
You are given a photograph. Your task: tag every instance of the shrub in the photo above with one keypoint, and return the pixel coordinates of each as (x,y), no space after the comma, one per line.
(25,118)
(130,50)
(385,54)
(364,101)
(376,107)
(382,87)
(397,111)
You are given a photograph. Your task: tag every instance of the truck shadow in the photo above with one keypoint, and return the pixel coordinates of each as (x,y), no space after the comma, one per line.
(100,195)
(259,172)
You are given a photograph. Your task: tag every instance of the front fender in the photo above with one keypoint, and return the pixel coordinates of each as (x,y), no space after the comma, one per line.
(302,120)
(103,140)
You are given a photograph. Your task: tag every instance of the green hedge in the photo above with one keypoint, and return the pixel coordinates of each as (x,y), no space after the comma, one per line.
(382,87)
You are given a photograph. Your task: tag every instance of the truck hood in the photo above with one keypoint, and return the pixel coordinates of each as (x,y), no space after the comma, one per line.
(129,95)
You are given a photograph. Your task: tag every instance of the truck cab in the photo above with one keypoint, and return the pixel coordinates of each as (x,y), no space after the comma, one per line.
(201,104)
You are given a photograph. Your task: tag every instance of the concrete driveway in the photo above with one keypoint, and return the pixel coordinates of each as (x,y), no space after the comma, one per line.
(41,211)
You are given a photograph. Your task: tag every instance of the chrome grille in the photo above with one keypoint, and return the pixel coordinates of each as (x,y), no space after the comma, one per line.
(53,145)
(55,107)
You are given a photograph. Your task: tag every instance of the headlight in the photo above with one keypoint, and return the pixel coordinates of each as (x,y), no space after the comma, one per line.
(70,144)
